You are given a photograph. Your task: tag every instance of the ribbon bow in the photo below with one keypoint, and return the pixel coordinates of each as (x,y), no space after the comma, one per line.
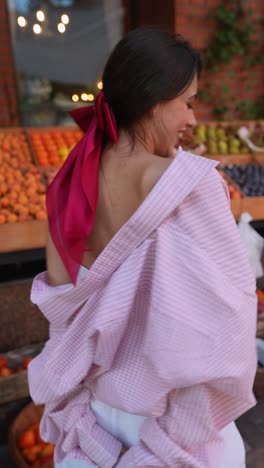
(72,195)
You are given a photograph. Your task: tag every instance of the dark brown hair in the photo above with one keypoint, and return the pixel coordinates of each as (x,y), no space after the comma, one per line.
(146,67)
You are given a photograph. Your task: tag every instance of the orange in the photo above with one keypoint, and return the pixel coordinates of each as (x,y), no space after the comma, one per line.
(12,218)
(4,202)
(26,362)
(30,454)
(5,372)
(47,450)
(41,214)
(27,439)
(260,294)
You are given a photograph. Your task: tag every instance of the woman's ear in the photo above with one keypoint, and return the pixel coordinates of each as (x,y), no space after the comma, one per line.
(155,110)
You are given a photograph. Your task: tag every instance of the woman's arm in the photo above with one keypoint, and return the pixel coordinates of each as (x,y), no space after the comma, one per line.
(57,273)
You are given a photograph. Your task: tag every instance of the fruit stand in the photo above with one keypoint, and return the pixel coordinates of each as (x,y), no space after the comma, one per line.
(30,158)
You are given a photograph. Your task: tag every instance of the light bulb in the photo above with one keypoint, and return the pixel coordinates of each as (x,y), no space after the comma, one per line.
(61,28)
(100,85)
(37,29)
(90,97)
(21,21)
(84,97)
(65,19)
(40,15)
(75,98)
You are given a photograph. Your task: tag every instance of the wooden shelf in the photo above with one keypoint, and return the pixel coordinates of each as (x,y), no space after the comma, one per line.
(23,236)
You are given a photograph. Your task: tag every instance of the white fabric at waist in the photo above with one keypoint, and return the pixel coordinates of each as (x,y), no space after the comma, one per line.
(125,427)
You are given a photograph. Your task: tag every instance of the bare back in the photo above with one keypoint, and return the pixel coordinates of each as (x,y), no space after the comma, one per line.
(124,182)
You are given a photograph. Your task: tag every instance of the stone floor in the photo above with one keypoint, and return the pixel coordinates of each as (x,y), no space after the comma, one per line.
(251,426)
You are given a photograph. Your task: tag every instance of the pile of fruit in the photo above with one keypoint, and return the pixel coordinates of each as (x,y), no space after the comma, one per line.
(6,371)
(248,177)
(35,451)
(220,139)
(22,193)
(52,147)
(233,190)
(14,148)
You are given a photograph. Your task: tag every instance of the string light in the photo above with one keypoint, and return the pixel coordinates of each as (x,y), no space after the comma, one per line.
(65,19)
(75,98)
(40,15)
(37,29)
(84,97)
(21,21)
(100,85)
(90,97)
(61,28)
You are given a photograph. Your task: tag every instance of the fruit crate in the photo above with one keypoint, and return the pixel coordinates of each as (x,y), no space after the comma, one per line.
(23,236)
(254,205)
(29,417)
(22,188)
(50,146)
(14,142)
(14,387)
(216,136)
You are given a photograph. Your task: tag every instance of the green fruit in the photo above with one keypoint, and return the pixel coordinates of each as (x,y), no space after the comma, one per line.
(197,139)
(220,134)
(222,147)
(234,142)
(212,148)
(233,150)
(200,132)
(210,132)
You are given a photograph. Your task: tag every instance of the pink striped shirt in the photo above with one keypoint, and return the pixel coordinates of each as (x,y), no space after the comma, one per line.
(163,326)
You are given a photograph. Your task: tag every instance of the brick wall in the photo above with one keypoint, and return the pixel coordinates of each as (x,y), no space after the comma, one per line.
(192,22)
(8,99)
(157,13)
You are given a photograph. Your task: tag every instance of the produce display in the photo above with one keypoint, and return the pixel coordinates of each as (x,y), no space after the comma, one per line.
(220,139)
(35,451)
(22,193)
(234,192)
(52,147)
(31,157)
(248,177)
(14,148)
(6,370)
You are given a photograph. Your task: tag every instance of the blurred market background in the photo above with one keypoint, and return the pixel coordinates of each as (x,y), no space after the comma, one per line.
(52,54)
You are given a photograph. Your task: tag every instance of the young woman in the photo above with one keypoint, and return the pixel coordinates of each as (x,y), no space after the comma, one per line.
(148,289)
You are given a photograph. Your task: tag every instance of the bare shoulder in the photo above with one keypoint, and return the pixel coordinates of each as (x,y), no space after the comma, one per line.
(154,170)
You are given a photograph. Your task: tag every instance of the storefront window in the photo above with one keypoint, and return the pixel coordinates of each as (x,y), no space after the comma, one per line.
(60,48)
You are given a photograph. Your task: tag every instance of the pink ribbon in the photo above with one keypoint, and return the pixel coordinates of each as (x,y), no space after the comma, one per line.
(72,195)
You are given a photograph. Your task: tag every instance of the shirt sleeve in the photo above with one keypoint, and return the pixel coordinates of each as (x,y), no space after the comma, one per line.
(68,420)
(70,424)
